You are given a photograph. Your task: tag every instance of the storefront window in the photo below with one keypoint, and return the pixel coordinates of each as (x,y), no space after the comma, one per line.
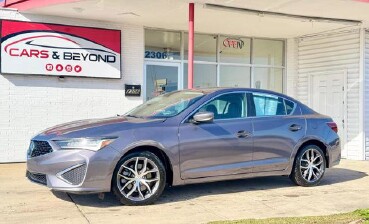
(205,48)
(239,62)
(205,75)
(164,45)
(160,79)
(268,52)
(234,50)
(268,78)
(234,76)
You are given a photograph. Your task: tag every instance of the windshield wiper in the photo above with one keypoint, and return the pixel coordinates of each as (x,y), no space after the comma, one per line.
(129,115)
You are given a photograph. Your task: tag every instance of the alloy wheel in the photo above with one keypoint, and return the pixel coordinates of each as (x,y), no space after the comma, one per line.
(138,178)
(312,165)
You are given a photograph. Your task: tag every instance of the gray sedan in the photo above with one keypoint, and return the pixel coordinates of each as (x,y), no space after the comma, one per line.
(186,137)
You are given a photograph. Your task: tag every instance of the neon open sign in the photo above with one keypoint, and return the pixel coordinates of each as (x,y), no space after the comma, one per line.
(233,43)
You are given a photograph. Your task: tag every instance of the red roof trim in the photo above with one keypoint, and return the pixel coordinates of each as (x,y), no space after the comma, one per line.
(23,5)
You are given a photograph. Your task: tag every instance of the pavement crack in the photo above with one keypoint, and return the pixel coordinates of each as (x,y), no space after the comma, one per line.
(80,211)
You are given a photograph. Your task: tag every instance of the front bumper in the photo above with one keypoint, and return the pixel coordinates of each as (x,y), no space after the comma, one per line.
(75,171)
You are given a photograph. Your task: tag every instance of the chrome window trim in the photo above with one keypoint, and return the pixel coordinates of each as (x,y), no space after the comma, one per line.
(247,117)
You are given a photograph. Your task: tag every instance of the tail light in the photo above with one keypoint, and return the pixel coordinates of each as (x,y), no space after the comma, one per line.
(333,126)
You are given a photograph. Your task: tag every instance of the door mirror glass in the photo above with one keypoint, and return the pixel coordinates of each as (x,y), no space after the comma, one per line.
(202,117)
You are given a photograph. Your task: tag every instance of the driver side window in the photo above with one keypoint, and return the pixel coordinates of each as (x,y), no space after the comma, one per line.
(227,106)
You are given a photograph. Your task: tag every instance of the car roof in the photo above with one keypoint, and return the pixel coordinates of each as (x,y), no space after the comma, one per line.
(232,89)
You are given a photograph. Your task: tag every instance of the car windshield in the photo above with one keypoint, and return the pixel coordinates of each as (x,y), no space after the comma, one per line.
(167,105)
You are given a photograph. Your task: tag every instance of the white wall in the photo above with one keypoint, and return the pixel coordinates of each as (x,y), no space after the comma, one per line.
(366,94)
(291,67)
(30,103)
(328,53)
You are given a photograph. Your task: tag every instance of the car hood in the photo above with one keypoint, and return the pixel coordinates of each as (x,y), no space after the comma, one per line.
(95,127)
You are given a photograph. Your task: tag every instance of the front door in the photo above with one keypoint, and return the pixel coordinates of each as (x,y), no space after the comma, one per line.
(327,97)
(221,147)
(160,78)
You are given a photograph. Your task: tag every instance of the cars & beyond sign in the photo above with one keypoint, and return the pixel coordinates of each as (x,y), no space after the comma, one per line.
(59,50)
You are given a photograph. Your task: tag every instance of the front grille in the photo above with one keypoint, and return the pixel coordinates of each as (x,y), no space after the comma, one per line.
(38,148)
(75,175)
(37,177)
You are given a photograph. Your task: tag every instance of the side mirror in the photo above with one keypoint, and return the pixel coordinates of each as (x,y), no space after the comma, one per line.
(203,117)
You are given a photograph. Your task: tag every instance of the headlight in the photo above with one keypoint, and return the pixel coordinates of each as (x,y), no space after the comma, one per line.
(93,144)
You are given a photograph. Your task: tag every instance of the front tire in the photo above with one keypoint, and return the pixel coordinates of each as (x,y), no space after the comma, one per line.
(139,179)
(309,166)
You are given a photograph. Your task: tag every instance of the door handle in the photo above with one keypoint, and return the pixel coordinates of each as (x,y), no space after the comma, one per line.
(295,127)
(242,134)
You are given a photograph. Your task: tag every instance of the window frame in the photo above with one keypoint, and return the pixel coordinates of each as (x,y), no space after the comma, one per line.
(272,95)
(250,105)
(245,109)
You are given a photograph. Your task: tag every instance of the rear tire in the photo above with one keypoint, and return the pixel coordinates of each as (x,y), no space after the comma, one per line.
(139,179)
(309,166)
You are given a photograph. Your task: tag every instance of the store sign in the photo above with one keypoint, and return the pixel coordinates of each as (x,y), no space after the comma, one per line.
(59,50)
(233,43)
(132,90)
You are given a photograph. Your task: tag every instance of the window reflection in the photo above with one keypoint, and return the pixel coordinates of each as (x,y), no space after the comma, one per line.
(205,75)
(268,52)
(268,78)
(234,50)
(205,48)
(162,44)
(234,76)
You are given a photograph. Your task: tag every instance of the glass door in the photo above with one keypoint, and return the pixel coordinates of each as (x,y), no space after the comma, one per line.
(161,78)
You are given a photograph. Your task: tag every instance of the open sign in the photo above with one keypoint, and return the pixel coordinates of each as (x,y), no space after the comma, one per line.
(233,43)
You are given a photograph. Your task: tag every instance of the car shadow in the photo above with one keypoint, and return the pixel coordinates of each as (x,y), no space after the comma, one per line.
(183,193)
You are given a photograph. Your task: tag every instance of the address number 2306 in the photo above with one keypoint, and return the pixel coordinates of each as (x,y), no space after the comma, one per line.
(156,54)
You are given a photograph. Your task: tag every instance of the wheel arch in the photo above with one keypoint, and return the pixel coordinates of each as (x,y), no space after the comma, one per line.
(317,142)
(157,150)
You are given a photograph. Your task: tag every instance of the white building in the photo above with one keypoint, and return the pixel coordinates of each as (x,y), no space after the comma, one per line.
(315,51)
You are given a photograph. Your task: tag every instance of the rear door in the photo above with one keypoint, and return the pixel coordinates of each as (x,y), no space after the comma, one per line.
(278,126)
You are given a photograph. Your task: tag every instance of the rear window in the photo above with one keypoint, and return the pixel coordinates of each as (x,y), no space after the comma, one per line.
(270,105)
(289,106)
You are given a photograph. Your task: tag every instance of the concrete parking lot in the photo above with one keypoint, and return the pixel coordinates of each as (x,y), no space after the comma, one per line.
(344,188)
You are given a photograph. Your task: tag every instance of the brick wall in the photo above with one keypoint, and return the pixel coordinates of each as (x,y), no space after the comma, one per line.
(29,104)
